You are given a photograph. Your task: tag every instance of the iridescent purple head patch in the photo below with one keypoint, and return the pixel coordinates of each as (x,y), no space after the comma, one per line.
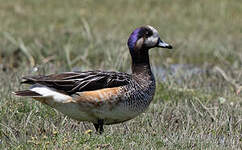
(133,39)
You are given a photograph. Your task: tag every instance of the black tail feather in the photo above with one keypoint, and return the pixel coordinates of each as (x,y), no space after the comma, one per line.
(26,93)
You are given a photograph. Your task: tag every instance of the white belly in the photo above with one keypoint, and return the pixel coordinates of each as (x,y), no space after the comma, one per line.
(89,113)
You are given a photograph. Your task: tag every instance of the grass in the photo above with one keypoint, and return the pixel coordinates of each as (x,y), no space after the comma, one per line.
(200,111)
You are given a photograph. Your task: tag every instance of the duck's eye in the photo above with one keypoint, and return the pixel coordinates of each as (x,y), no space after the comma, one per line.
(148,33)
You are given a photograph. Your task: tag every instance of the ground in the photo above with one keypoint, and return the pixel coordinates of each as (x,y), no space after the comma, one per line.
(195,107)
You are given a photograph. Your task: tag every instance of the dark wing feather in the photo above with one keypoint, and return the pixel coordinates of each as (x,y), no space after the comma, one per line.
(72,82)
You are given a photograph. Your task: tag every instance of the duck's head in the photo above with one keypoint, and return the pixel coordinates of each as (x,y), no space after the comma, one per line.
(144,38)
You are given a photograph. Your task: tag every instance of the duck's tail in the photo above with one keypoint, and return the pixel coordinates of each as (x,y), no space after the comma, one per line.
(44,94)
(27,93)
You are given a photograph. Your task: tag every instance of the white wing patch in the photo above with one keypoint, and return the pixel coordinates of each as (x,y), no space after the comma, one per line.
(48,92)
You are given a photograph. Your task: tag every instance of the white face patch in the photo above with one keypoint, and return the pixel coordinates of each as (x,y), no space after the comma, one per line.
(139,43)
(152,40)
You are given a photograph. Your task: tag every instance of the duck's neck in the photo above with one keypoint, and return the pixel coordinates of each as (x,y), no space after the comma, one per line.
(141,63)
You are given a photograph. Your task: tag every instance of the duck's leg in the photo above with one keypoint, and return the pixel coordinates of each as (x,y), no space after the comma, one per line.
(99,126)
(96,126)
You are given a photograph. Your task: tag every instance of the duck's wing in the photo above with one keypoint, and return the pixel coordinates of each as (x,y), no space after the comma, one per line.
(72,82)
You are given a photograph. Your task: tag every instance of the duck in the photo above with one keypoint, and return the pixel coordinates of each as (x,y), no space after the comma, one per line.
(102,97)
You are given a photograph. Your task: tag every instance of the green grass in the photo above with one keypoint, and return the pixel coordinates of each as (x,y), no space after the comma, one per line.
(187,112)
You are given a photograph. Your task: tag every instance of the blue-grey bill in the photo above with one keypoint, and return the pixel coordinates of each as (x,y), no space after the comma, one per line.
(163,44)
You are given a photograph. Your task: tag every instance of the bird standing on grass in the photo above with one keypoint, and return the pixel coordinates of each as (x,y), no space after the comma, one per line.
(102,97)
